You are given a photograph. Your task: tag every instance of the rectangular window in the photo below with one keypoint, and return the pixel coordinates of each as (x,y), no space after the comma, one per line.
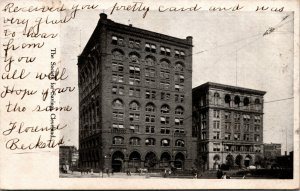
(256,138)
(182,54)
(247,127)
(150,129)
(257,128)
(150,47)
(134,80)
(216,147)
(118,116)
(134,70)
(237,127)
(117,78)
(216,124)
(134,116)
(177,54)
(165,130)
(228,126)
(236,137)
(227,115)
(118,90)
(134,92)
(162,50)
(203,125)
(179,130)
(203,135)
(246,137)
(237,117)
(150,82)
(149,72)
(164,120)
(216,135)
(216,113)
(227,136)
(178,121)
(150,118)
(179,88)
(134,128)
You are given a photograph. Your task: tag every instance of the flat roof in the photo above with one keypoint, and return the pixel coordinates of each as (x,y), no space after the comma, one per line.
(227,87)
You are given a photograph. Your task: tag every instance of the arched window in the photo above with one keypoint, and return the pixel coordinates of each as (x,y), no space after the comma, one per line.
(179,66)
(227,99)
(179,110)
(257,101)
(257,104)
(134,141)
(246,101)
(165,142)
(118,140)
(237,100)
(179,143)
(216,158)
(165,64)
(165,109)
(134,57)
(118,104)
(117,54)
(217,99)
(134,106)
(150,141)
(150,60)
(150,107)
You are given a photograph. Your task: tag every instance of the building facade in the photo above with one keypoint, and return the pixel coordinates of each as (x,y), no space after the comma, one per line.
(272,150)
(135,101)
(229,124)
(68,155)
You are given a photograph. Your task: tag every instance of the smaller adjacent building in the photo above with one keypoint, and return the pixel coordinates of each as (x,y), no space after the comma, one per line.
(229,123)
(272,150)
(68,156)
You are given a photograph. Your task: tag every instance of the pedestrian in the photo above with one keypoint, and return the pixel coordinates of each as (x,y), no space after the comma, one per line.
(165,173)
(219,174)
(107,171)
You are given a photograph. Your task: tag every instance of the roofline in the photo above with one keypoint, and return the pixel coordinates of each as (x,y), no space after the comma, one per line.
(228,87)
(130,29)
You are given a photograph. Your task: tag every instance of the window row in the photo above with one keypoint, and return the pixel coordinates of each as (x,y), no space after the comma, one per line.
(136,80)
(150,107)
(149,129)
(135,141)
(149,47)
(135,58)
(227,136)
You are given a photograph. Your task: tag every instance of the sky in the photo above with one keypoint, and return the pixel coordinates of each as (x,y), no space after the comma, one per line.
(229,48)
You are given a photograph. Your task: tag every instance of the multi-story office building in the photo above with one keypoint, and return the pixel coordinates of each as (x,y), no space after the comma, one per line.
(272,150)
(135,99)
(229,122)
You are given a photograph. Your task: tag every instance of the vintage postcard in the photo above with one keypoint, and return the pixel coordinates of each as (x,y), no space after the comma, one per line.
(149,94)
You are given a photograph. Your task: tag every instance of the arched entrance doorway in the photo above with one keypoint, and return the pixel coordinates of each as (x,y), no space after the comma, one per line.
(150,160)
(165,159)
(216,162)
(179,161)
(134,160)
(117,161)
(229,161)
(248,161)
(239,160)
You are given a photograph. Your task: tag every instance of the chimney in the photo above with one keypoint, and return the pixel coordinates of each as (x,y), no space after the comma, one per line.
(189,39)
(103,16)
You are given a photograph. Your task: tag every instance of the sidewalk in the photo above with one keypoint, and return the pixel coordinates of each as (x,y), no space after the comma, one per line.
(77,174)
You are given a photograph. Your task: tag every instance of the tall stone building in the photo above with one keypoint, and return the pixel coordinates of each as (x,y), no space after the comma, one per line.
(229,122)
(135,101)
